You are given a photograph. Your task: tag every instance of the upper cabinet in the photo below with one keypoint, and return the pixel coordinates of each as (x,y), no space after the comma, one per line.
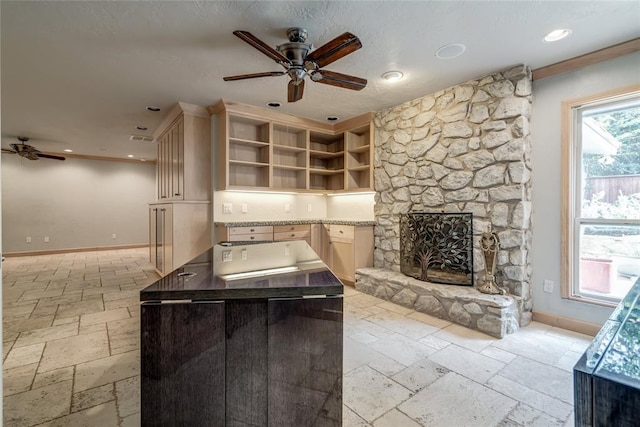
(262,150)
(184,154)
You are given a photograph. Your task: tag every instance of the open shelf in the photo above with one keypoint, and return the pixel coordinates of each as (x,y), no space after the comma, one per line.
(248,175)
(275,151)
(289,178)
(248,129)
(326,180)
(249,152)
(287,136)
(289,157)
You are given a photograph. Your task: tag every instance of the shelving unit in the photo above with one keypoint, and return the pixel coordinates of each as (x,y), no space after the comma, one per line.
(267,150)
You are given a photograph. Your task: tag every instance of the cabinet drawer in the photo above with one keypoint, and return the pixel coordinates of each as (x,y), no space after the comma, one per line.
(233,231)
(268,237)
(292,227)
(292,235)
(343,231)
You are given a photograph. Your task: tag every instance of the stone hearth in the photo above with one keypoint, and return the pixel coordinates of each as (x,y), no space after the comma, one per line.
(495,315)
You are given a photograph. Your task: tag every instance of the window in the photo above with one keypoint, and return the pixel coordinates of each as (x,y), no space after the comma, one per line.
(601,196)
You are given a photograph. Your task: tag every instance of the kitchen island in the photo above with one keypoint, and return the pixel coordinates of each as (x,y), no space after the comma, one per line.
(244,334)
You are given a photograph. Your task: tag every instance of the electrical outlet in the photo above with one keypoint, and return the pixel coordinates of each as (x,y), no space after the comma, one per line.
(309,207)
(227,208)
(113,235)
(226,256)
(244,208)
(548,286)
(287,207)
(244,254)
(28,239)
(287,250)
(46,239)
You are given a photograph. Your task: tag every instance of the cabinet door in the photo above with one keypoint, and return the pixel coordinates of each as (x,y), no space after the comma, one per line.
(305,362)
(342,259)
(182,364)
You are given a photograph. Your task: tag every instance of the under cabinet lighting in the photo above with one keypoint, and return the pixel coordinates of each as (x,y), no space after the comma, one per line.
(556,35)
(130,156)
(333,118)
(67,150)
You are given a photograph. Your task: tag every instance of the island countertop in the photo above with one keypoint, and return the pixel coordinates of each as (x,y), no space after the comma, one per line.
(247,270)
(355,222)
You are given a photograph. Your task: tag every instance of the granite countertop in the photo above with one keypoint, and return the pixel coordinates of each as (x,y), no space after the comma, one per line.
(615,351)
(295,221)
(250,271)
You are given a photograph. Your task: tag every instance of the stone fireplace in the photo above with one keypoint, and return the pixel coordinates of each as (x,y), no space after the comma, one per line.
(462,149)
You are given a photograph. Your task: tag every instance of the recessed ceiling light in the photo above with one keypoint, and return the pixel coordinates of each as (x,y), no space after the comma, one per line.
(153,108)
(141,127)
(333,118)
(67,150)
(274,104)
(130,156)
(143,160)
(392,76)
(450,51)
(556,35)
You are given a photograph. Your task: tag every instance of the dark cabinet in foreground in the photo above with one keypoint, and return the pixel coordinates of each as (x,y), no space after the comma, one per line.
(607,376)
(244,344)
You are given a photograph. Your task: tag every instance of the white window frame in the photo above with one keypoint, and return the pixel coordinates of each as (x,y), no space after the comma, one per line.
(571,197)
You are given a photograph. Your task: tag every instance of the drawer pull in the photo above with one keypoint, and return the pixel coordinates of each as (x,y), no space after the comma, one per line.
(293,235)
(341,231)
(292,228)
(252,237)
(252,230)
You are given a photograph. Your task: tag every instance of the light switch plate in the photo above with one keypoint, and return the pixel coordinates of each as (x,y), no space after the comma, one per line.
(548,286)
(227,208)
(226,256)
(244,208)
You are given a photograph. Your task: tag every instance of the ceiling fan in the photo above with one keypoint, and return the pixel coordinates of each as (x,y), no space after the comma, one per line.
(29,151)
(300,60)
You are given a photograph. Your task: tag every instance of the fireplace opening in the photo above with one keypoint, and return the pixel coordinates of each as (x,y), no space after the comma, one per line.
(437,247)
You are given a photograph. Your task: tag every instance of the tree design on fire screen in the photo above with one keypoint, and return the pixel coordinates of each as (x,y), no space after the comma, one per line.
(437,247)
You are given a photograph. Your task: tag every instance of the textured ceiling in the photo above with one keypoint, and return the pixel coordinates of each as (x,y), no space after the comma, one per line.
(79,74)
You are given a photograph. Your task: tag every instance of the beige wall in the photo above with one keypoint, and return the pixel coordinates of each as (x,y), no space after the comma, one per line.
(545,133)
(77,203)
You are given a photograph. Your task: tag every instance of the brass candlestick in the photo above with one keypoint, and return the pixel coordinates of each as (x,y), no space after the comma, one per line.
(490,243)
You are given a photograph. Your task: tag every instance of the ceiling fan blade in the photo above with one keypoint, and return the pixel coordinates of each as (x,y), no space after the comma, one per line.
(253,76)
(262,47)
(6,150)
(50,156)
(338,79)
(337,48)
(295,91)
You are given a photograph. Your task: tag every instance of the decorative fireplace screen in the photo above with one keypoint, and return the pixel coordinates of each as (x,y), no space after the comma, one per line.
(437,247)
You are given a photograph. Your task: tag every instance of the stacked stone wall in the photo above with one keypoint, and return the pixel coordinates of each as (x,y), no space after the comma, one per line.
(463,149)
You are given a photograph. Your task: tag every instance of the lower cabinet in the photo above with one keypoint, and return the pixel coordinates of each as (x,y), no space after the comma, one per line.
(275,362)
(350,247)
(178,231)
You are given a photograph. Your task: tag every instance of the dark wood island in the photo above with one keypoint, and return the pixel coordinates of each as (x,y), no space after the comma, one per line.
(243,335)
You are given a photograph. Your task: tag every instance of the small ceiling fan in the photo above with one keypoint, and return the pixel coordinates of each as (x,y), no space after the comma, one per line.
(300,60)
(29,151)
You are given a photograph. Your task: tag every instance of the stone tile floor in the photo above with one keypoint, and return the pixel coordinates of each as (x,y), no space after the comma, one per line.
(71,355)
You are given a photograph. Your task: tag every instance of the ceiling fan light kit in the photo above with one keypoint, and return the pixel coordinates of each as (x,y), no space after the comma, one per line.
(301,60)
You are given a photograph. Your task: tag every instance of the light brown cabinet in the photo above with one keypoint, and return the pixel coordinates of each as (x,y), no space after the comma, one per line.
(178,231)
(180,220)
(349,248)
(184,154)
(260,149)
